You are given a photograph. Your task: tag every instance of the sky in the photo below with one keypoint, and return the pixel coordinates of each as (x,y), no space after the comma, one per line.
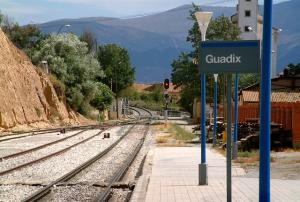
(39,11)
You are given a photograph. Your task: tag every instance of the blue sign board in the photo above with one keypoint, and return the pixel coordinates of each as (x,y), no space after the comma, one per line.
(230,56)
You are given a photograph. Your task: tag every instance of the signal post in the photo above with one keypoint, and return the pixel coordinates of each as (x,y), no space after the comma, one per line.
(166,94)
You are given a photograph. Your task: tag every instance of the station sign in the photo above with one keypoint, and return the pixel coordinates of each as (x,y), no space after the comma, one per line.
(230,56)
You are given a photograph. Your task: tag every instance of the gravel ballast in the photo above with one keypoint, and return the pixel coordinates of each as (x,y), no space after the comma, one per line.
(55,167)
(73,193)
(17,145)
(19,160)
(13,193)
(103,169)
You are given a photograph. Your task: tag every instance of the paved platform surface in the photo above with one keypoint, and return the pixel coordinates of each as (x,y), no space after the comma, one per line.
(174,177)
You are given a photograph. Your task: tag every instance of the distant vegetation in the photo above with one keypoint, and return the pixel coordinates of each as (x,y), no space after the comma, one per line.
(153,100)
(185,71)
(292,70)
(81,71)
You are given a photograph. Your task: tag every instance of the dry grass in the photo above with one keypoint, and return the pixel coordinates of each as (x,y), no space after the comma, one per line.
(290,150)
(161,139)
(171,135)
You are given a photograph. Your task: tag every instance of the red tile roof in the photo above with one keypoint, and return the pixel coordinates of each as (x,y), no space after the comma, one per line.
(277,96)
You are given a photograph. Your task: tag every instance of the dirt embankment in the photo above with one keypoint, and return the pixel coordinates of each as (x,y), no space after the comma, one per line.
(27,97)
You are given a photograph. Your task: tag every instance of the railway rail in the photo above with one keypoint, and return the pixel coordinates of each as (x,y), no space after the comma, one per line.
(66,177)
(104,196)
(43,192)
(18,135)
(47,156)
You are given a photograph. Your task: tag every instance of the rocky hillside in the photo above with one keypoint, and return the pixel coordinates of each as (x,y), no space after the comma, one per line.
(27,96)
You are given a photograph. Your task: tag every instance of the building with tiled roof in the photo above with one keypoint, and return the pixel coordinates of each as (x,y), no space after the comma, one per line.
(277,96)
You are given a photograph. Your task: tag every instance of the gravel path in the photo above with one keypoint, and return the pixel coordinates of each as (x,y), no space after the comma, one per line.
(19,160)
(53,168)
(102,170)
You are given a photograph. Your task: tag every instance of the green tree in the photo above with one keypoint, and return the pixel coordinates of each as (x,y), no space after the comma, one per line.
(247,80)
(80,72)
(103,97)
(292,70)
(116,65)
(185,72)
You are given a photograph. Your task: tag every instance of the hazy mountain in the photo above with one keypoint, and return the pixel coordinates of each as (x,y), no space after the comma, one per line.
(154,41)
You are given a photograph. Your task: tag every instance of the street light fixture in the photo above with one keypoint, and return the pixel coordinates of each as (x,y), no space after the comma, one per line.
(203,19)
(45,66)
(275,36)
(62,26)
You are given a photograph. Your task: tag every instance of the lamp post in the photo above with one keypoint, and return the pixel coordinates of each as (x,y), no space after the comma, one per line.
(116,88)
(215,108)
(61,27)
(203,19)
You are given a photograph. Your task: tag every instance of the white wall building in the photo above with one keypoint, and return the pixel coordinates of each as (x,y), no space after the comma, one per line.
(251,24)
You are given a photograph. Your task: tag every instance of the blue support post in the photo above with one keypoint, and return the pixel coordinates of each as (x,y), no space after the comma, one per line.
(229,140)
(265,106)
(215,112)
(203,119)
(203,165)
(236,113)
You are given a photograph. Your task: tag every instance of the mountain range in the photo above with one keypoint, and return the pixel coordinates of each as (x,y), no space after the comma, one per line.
(154,41)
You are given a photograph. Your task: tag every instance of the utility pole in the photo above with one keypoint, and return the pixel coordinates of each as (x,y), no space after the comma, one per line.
(116,88)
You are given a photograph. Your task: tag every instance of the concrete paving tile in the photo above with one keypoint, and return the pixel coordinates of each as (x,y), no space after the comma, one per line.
(175,178)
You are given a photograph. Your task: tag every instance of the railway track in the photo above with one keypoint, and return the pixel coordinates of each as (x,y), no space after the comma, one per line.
(19,135)
(10,167)
(33,175)
(104,196)
(67,177)
(43,158)
(142,112)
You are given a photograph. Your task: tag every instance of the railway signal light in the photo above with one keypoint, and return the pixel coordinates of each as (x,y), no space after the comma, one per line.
(166,96)
(166,84)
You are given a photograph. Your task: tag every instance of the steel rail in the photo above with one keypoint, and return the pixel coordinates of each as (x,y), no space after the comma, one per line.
(137,111)
(48,156)
(44,191)
(122,171)
(51,130)
(144,109)
(40,147)
(44,131)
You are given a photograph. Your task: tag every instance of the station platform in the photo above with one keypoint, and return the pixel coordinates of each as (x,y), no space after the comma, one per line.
(171,174)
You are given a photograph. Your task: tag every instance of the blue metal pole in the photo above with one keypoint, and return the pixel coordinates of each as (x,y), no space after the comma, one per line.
(229,140)
(235,133)
(265,105)
(203,119)
(215,112)
(203,165)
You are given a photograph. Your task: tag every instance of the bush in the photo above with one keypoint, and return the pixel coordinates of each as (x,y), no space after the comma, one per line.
(59,87)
